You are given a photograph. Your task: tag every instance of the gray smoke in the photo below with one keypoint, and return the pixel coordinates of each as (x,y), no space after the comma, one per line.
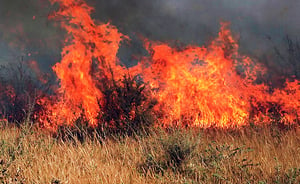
(27,34)
(187,21)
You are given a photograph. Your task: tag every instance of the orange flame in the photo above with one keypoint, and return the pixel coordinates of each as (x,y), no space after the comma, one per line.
(88,42)
(202,86)
(197,86)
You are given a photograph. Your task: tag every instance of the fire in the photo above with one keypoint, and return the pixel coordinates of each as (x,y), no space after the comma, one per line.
(202,86)
(194,86)
(88,43)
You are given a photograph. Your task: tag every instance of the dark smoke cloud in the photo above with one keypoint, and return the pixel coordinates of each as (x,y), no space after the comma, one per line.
(197,21)
(27,34)
(188,21)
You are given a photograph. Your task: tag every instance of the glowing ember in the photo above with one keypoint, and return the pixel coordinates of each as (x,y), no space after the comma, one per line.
(197,86)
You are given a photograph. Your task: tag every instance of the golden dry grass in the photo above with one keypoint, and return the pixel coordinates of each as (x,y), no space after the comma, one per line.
(30,155)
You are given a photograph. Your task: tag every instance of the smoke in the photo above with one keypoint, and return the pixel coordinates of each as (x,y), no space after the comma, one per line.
(194,21)
(25,31)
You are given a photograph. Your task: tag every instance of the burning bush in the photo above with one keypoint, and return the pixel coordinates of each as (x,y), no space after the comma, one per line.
(125,109)
(126,106)
(201,86)
(21,89)
(283,63)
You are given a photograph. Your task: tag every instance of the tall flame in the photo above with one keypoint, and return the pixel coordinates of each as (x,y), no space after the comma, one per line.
(199,86)
(88,42)
(204,86)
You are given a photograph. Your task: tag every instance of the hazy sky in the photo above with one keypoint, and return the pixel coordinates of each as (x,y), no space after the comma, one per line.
(24,27)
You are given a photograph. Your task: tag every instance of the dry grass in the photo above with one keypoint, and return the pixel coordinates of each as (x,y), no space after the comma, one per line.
(30,155)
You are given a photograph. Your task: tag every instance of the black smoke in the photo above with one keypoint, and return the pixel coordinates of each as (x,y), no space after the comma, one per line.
(27,34)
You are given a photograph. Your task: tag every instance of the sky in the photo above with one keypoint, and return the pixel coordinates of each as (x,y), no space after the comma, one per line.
(27,34)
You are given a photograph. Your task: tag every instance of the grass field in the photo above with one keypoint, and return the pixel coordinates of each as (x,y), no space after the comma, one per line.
(253,155)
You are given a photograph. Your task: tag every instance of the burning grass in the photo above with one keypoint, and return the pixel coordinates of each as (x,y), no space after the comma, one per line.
(22,85)
(199,86)
(105,123)
(195,86)
(257,154)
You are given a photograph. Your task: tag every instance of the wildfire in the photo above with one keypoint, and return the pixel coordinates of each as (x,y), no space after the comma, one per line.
(202,86)
(195,86)
(87,43)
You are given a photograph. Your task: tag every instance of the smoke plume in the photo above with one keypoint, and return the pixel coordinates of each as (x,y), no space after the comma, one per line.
(27,34)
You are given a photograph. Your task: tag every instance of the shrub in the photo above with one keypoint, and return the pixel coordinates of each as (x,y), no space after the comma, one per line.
(180,152)
(283,63)
(170,151)
(21,88)
(125,110)
(126,107)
